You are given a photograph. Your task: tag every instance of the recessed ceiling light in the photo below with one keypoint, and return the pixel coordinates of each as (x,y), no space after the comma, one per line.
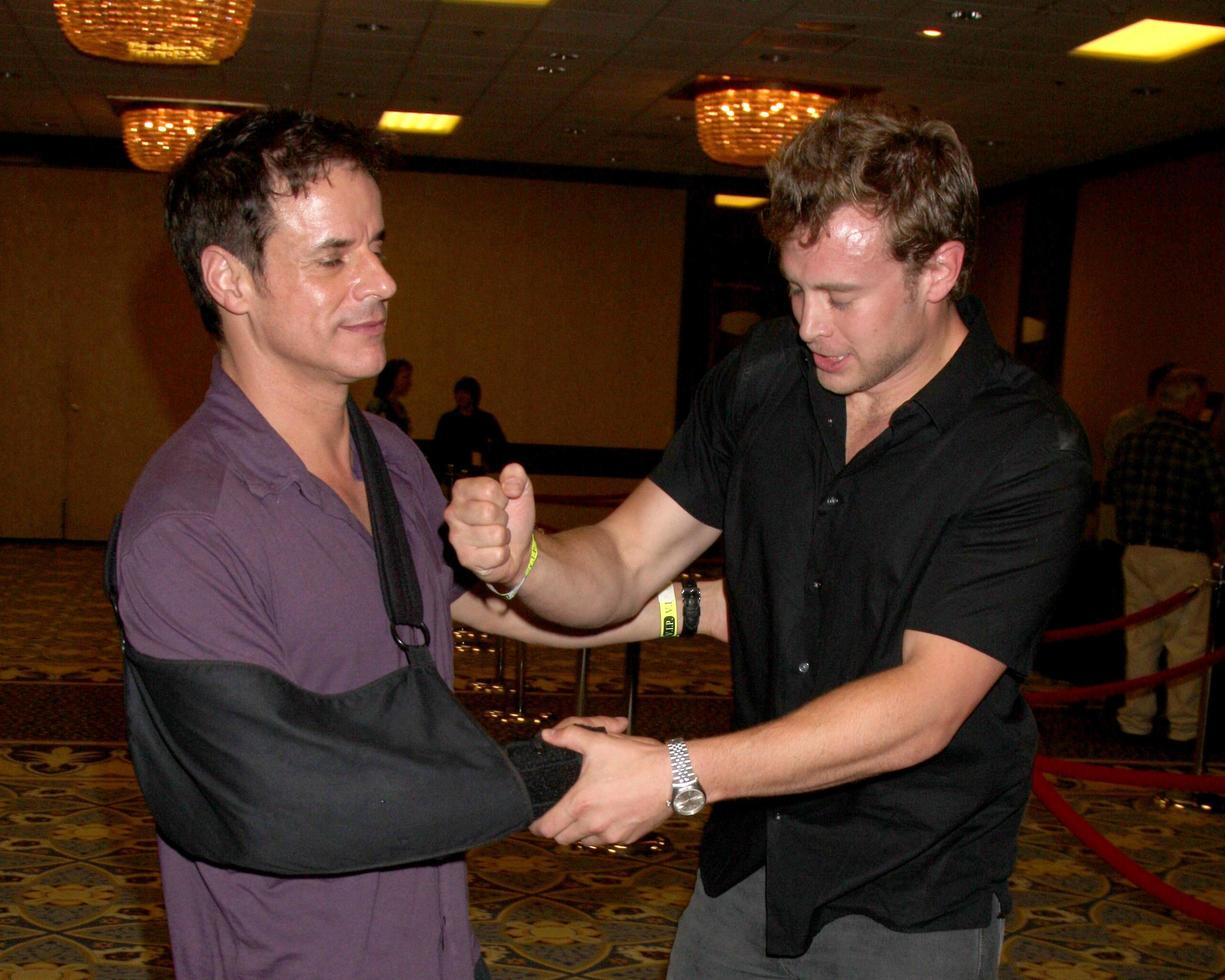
(574,130)
(351,95)
(371,27)
(1152,40)
(563,56)
(428,123)
(8,75)
(739,201)
(966,15)
(931,32)
(1145,90)
(551,69)
(774,57)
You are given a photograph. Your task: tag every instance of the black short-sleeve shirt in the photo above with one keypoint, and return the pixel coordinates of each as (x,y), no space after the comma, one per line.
(961,519)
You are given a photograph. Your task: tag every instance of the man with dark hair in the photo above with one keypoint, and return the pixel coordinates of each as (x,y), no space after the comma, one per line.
(899,503)
(467,440)
(1167,483)
(247,541)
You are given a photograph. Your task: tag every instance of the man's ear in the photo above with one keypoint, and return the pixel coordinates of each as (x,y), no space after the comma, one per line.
(227,279)
(942,270)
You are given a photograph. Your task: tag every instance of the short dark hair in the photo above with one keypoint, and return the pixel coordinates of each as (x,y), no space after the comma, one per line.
(221,193)
(1158,375)
(912,173)
(471,386)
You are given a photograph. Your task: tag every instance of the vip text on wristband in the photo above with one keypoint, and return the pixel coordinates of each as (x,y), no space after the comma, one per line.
(667,612)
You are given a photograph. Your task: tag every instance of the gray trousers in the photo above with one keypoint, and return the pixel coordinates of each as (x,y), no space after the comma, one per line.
(725,937)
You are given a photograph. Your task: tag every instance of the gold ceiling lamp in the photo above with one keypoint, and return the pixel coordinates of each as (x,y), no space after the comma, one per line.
(157,137)
(744,124)
(164,32)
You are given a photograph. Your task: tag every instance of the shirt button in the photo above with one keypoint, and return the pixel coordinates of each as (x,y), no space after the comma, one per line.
(803,668)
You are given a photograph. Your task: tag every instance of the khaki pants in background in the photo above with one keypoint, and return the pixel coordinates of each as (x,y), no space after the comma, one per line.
(1151,574)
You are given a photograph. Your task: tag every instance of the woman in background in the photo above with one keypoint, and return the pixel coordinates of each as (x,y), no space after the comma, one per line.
(390,386)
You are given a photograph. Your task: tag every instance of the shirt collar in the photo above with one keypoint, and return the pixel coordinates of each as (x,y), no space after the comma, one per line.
(945,397)
(256,452)
(1170,415)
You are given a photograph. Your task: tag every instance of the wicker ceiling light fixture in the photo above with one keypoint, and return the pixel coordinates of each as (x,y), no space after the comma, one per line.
(744,125)
(158,137)
(163,32)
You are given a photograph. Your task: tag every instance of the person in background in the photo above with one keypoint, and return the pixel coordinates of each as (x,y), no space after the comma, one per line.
(390,387)
(899,503)
(1167,483)
(467,440)
(1133,417)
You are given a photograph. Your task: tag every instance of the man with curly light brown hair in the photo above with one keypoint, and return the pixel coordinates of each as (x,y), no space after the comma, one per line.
(899,503)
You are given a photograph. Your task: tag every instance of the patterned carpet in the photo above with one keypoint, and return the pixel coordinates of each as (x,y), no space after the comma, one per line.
(79,888)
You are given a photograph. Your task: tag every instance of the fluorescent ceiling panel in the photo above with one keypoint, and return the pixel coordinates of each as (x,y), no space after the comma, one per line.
(738,201)
(1152,40)
(432,123)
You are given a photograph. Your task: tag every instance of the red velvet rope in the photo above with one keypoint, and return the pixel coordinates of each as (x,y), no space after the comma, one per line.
(1092,692)
(1155,611)
(1152,778)
(1129,869)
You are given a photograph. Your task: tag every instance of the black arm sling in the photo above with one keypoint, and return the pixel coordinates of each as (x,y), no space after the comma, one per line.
(242,768)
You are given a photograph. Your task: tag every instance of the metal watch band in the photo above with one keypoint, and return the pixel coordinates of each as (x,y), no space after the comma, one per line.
(682,765)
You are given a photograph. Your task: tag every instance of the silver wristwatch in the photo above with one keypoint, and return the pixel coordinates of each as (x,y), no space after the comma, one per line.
(688,797)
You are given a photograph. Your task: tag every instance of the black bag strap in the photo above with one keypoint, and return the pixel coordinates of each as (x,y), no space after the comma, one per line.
(397,574)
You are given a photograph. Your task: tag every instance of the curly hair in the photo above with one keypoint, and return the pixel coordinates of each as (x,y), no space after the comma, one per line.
(910,172)
(222,192)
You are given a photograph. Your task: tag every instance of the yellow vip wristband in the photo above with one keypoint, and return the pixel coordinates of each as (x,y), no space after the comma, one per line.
(667,612)
(531,563)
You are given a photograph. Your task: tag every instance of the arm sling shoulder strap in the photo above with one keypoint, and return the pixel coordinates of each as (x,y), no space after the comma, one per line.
(242,768)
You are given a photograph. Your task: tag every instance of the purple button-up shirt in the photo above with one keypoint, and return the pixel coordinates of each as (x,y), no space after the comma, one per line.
(232,550)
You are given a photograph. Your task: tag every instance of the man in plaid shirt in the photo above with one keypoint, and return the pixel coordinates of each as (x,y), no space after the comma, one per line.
(1167,482)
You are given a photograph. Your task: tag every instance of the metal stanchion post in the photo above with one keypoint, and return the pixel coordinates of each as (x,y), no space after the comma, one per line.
(1204,802)
(633,661)
(498,648)
(516,713)
(582,665)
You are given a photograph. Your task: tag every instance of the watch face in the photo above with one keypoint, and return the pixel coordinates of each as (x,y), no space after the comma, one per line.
(688,801)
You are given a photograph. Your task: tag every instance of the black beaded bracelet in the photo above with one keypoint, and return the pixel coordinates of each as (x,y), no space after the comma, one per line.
(691,607)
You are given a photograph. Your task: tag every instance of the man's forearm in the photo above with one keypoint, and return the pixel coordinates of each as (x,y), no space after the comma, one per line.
(492,615)
(605,573)
(888,721)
